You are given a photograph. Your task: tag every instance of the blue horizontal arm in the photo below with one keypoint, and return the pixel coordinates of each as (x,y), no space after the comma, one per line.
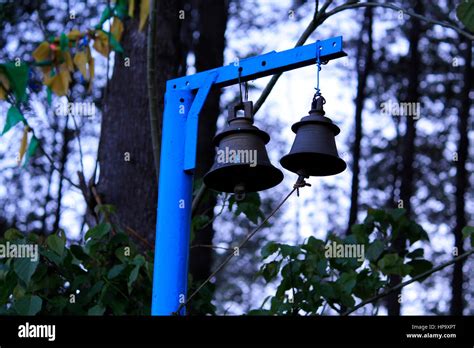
(263,65)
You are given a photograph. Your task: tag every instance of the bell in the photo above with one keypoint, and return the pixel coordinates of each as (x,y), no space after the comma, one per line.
(242,164)
(314,151)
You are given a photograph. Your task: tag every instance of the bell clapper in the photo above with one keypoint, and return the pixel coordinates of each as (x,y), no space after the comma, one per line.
(239,192)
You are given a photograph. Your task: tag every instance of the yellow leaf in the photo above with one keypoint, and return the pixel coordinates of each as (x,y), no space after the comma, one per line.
(24,142)
(91,72)
(80,60)
(101,43)
(4,86)
(68,61)
(144,12)
(74,34)
(117,28)
(42,52)
(46,72)
(131,7)
(59,83)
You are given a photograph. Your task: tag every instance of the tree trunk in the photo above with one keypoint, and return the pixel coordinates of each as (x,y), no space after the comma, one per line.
(209,53)
(462,182)
(408,149)
(363,71)
(127,173)
(67,136)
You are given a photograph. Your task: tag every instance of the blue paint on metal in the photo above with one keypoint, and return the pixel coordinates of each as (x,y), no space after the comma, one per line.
(178,155)
(264,65)
(174,209)
(192,123)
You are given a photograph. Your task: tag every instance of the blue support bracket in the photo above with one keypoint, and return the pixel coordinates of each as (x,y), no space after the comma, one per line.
(192,122)
(184,99)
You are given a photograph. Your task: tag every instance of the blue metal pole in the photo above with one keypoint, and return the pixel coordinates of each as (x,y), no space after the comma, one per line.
(174,208)
(178,158)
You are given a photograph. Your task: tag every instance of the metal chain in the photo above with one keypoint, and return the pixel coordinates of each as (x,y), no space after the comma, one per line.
(318,65)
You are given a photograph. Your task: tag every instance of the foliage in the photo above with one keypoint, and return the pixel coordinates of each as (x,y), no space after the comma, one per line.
(465,13)
(106,275)
(310,278)
(58,58)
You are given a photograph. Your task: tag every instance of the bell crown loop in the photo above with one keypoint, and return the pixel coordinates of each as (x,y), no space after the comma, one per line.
(242,124)
(246,106)
(316,116)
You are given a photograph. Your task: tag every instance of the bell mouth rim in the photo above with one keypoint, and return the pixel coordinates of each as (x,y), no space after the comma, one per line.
(269,182)
(339,165)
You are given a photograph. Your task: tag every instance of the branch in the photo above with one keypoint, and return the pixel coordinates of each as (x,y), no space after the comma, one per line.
(198,198)
(152,87)
(315,22)
(412,280)
(321,15)
(398,8)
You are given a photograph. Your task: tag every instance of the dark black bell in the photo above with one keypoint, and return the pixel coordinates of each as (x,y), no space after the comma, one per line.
(242,164)
(314,151)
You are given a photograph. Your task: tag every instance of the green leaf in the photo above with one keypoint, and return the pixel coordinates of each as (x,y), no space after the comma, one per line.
(467,232)
(250,206)
(105,16)
(56,244)
(18,292)
(64,42)
(465,13)
(360,231)
(18,77)
(375,250)
(377,214)
(105,209)
(13,117)
(416,233)
(393,264)
(114,44)
(52,256)
(25,268)
(326,290)
(419,267)
(120,253)
(347,281)
(115,271)
(98,231)
(314,246)
(269,249)
(397,214)
(290,250)
(78,252)
(13,234)
(121,9)
(270,270)
(96,310)
(133,277)
(416,253)
(28,305)
(347,300)
(49,95)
